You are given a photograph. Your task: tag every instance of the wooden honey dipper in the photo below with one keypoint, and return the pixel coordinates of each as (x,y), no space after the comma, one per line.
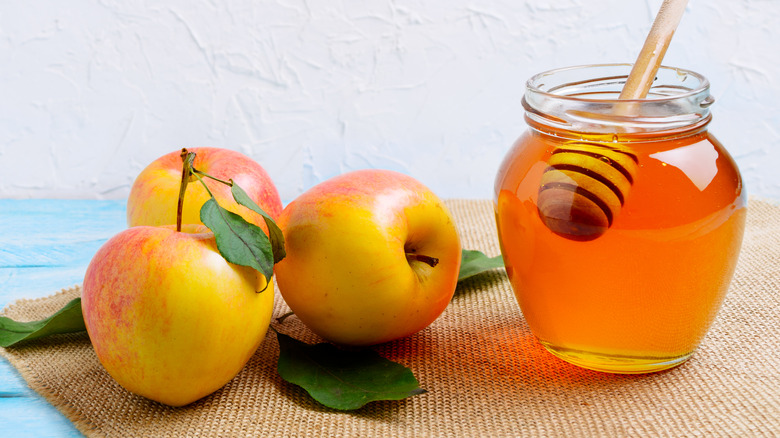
(586,184)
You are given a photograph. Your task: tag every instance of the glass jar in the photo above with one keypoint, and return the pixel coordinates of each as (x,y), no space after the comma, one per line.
(620,222)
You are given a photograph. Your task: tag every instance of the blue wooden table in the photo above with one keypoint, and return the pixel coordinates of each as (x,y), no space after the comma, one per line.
(45,245)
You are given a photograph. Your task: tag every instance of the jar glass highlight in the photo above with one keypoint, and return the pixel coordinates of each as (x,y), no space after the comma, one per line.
(620,222)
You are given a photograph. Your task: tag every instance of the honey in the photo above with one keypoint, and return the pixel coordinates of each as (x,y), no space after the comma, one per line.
(631,281)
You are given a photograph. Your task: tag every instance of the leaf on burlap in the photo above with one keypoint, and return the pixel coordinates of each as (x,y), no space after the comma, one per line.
(474,262)
(69,319)
(344,379)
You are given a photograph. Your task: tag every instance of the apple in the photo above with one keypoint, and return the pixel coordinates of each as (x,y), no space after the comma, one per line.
(168,317)
(372,256)
(154,195)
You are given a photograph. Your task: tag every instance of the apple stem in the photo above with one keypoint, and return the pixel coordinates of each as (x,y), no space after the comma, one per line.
(187,158)
(430,261)
(187,172)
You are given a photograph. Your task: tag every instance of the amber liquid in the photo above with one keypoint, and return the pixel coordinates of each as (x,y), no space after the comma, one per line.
(640,297)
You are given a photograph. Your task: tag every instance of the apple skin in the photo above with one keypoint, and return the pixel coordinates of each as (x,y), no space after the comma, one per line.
(154,195)
(168,317)
(346,274)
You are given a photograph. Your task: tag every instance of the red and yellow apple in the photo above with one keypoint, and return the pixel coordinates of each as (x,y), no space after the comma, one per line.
(361,257)
(168,317)
(154,195)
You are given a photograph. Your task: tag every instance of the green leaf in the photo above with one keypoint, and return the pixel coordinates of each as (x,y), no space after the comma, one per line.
(342,379)
(274,232)
(69,319)
(239,241)
(474,262)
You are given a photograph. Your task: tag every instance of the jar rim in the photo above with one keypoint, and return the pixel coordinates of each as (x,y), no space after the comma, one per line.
(704,83)
(585,98)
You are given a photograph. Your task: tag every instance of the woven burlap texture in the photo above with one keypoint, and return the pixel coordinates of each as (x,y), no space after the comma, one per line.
(484,372)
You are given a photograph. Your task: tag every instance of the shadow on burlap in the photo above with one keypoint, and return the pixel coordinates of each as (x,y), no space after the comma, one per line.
(484,372)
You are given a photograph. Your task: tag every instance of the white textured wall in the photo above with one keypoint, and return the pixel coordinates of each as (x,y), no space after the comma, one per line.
(91,91)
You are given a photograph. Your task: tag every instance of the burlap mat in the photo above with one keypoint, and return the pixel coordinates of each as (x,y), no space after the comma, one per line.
(485,373)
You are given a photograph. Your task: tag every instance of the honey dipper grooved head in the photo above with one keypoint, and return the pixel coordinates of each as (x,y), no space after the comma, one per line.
(584,188)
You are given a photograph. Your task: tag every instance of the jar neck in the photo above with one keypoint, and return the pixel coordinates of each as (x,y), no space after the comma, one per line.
(579,102)
(619,135)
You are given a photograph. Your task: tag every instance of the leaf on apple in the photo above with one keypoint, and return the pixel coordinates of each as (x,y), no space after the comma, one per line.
(69,319)
(344,379)
(239,242)
(474,262)
(274,232)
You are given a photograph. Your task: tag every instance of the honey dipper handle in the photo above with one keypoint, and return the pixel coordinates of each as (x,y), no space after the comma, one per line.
(646,66)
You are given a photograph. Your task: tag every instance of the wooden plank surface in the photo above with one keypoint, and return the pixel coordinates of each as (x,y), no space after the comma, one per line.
(45,246)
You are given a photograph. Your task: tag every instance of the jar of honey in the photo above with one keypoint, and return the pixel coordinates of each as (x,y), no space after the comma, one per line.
(620,221)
